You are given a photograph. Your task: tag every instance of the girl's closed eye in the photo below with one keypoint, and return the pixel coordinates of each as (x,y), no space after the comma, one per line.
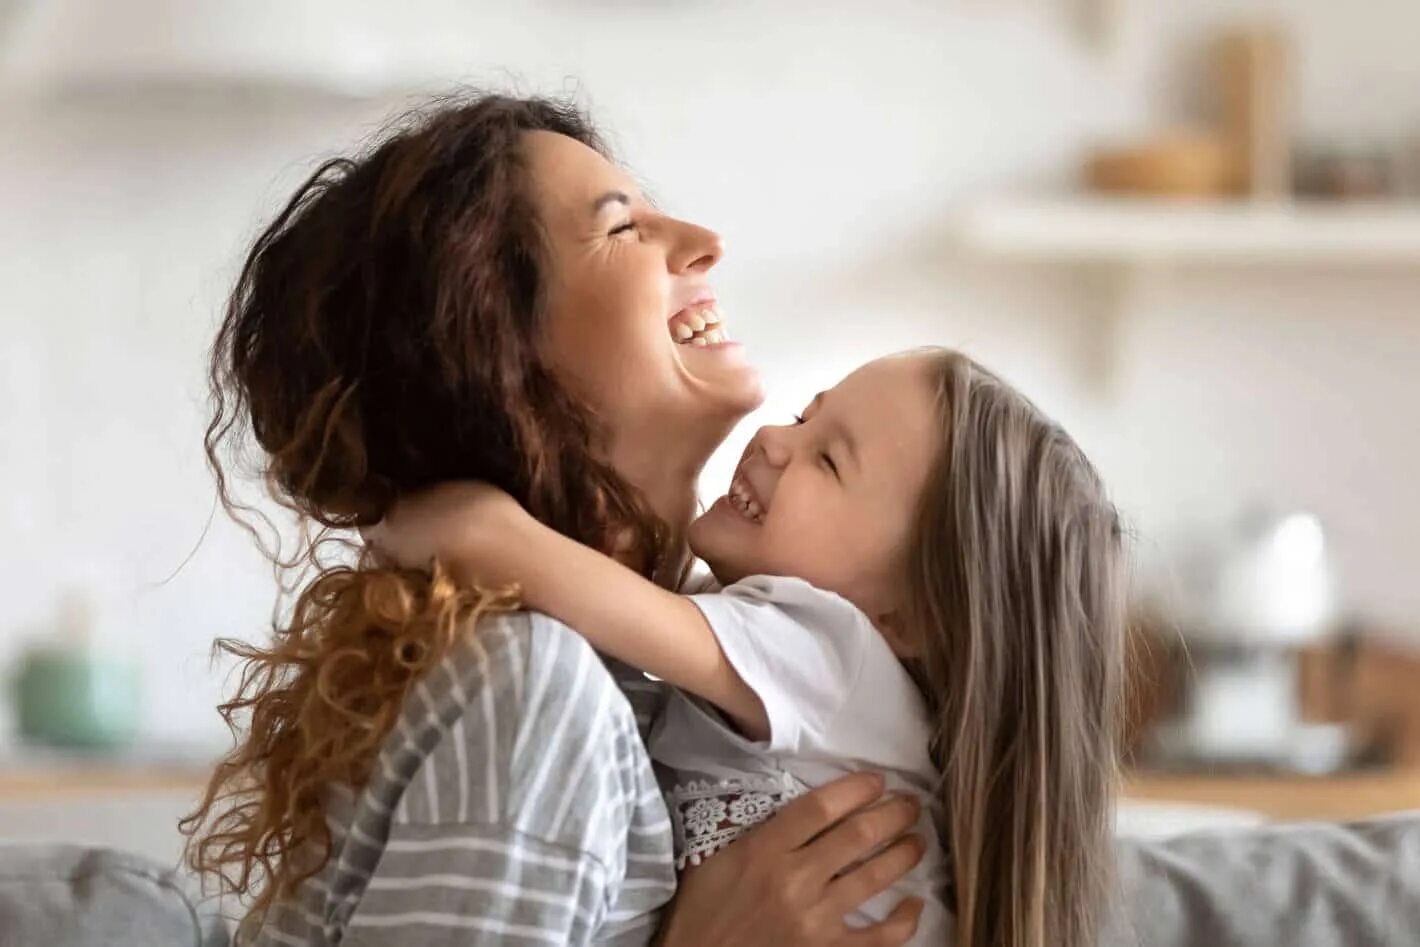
(626,227)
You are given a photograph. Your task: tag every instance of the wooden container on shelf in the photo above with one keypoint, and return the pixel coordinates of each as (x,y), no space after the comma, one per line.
(1255,74)
(1372,684)
(1183,164)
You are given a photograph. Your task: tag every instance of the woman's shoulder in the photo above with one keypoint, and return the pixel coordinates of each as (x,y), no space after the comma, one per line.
(526,648)
(519,714)
(540,679)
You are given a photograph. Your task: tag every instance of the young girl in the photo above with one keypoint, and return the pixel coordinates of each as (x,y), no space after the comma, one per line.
(920,576)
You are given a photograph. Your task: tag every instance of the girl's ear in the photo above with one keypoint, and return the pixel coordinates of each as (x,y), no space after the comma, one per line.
(902,643)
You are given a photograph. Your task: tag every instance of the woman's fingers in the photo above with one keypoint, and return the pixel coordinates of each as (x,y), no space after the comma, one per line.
(776,886)
(860,835)
(877,874)
(810,815)
(893,931)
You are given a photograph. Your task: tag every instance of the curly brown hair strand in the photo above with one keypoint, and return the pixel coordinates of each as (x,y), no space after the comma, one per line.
(383,336)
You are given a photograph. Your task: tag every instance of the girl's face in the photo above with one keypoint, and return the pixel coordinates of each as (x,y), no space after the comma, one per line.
(831,498)
(632,328)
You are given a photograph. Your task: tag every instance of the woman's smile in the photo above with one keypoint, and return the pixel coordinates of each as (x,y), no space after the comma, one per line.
(699,325)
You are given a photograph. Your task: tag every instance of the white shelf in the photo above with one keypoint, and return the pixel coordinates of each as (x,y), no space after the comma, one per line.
(1129,231)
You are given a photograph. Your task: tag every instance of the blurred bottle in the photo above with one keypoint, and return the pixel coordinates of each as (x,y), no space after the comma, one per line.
(70,692)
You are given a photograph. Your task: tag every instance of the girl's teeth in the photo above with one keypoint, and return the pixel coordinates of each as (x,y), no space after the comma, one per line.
(739,497)
(710,316)
(696,322)
(683,332)
(714,336)
(699,341)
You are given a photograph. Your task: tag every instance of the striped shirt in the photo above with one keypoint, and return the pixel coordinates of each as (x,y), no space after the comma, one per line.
(513,803)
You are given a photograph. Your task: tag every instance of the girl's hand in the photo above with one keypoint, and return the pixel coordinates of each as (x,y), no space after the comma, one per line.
(790,881)
(464,525)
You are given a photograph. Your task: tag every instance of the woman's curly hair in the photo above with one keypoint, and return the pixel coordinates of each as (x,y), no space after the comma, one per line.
(383,336)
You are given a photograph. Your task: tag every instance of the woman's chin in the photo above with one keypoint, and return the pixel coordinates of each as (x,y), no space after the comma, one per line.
(722,374)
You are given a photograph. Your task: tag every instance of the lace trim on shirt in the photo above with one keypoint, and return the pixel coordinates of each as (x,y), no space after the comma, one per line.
(707,815)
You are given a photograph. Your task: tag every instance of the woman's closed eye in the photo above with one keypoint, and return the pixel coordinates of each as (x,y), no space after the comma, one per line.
(627,227)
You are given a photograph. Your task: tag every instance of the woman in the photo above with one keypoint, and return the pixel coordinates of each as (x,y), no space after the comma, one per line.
(484,296)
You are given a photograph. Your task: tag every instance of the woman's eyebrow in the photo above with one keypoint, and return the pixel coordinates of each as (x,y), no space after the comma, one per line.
(610,197)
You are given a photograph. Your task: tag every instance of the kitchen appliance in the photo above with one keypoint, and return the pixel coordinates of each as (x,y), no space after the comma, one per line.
(1250,602)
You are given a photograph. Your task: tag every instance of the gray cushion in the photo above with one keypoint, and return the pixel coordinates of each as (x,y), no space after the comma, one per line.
(72,896)
(1305,885)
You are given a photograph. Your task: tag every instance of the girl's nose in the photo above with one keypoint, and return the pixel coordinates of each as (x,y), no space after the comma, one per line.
(772,441)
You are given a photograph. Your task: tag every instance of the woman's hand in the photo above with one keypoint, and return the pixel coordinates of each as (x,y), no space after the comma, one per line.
(465,525)
(790,881)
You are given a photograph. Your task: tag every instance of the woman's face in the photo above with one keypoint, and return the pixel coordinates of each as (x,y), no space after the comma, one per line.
(632,328)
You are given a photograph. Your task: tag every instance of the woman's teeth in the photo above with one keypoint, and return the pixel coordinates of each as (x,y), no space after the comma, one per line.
(698,327)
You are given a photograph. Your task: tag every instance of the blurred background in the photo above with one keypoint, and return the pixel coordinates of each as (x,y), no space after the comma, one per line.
(1191,231)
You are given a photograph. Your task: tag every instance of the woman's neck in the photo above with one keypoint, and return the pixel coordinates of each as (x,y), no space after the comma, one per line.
(669,486)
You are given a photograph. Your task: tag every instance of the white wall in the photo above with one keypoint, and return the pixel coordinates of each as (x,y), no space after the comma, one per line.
(830,143)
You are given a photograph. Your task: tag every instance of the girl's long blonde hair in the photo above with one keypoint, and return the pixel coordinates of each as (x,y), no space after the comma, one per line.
(1017,570)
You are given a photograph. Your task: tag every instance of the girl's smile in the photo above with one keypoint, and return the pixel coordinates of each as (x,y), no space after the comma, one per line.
(832,497)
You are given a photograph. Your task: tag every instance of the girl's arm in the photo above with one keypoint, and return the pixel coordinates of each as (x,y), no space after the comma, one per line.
(480,534)
(628,617)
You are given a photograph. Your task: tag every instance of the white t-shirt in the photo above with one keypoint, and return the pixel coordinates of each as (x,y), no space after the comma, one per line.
(838,701)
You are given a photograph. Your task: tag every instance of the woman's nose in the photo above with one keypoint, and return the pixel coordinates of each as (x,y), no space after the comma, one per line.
(691,248)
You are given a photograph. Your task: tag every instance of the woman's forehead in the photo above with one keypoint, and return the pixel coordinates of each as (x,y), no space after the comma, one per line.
(570,177)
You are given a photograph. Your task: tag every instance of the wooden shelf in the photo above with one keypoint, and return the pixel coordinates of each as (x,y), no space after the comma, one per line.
(1132,231)
(87,782)
(1286,798)
(30,772)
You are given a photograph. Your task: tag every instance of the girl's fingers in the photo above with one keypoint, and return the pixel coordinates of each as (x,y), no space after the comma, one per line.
(374,537)
(877,874)
(809,816)
(860,835)
(893,931)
